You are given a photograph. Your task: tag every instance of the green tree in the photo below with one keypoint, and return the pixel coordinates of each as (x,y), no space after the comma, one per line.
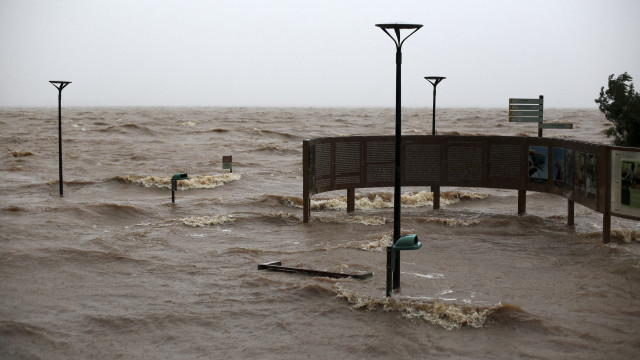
(620,104)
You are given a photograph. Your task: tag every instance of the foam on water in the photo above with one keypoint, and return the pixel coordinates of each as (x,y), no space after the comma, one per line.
(385,200)
(448,315)
(202,221)
(194,182)
(366,220)
(626,235)
(376,242)
(451,221)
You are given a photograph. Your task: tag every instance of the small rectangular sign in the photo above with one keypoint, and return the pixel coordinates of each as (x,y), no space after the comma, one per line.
(227,162)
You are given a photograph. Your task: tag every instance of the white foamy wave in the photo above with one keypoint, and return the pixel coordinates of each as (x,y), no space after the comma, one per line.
(287,217)
(452,222)
(366,220)
(207,220)
(377,242)
(385,200)
(626,235)
(194,181)
(450,316)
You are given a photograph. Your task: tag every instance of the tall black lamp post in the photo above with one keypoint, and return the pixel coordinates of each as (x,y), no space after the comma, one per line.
(60,85)
(434,80)
(393,257)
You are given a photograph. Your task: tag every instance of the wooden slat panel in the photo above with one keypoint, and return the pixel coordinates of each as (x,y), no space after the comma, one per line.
(555,126)
(526,101)
(526,119)
(525,107)
(526,113)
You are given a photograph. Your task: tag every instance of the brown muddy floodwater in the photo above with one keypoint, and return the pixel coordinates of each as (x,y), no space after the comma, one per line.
(114,270)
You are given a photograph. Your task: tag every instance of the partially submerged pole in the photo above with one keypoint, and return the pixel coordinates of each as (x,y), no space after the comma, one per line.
(60,85)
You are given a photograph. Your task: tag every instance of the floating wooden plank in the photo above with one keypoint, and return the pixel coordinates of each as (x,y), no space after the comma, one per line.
(555,126)
(277,266)
(526,101)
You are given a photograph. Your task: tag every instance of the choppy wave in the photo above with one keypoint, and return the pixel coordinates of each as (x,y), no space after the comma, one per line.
(626,235)
(16,168)
(13,208)
(128,128)
(276,149)
(376,242)
(194,182)
(288,201)
(378,200)
(113,211)
(17,153)
(450,221)
(366,220)
(450,316)
(202,221)
(287,217)
(273,132)
(277,217)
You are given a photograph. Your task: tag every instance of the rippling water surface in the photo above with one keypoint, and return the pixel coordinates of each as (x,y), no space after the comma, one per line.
(115,270)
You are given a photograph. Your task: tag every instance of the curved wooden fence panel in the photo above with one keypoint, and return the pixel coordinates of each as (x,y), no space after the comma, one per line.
(579,171)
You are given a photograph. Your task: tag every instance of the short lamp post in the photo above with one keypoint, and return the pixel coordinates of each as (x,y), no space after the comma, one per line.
(393,256)
(60,85)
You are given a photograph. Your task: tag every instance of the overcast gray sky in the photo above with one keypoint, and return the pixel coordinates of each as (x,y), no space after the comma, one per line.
(312,53)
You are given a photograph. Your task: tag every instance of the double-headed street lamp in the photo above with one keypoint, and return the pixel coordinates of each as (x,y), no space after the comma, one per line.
(393,257)
(60,85)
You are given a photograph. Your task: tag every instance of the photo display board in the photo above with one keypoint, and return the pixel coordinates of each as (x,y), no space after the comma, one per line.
(625,182)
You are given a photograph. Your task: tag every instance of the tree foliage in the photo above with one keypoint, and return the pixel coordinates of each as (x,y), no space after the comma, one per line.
(620,104)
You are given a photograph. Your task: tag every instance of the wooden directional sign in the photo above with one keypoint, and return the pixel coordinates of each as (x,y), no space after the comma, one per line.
(526,110)
(530,110)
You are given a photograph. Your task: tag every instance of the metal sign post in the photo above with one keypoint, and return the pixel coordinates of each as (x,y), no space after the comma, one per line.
(174,184)
(396,27)
(227,163)
(60,85)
